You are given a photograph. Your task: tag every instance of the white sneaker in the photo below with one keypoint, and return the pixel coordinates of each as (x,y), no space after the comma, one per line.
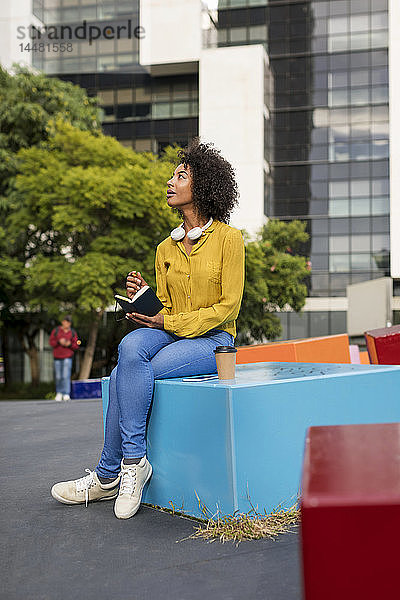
(84,490)
(58,397)
(133,480)
(66,397)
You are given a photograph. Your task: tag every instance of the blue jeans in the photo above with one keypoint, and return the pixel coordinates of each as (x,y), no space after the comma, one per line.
(145,355)
(62,370)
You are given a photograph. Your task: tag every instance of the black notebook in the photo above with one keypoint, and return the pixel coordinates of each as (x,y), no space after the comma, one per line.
(144,302)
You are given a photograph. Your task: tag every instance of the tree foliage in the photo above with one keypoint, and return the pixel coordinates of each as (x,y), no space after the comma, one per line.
(275,277)
(28,101)
(85,211)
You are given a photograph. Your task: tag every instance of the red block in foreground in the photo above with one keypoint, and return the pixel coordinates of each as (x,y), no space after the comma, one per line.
(384,345)
(350,509)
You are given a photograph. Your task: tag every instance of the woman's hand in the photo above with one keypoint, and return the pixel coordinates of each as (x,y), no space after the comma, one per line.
(156,322)
(134,282)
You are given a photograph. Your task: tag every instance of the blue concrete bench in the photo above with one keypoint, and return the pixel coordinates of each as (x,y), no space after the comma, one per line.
(229,443)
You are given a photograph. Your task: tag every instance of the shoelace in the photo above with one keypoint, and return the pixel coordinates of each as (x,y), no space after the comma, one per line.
(128,480)
(85,483)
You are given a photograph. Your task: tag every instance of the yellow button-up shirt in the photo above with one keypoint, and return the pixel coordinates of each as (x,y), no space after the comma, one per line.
(202,290)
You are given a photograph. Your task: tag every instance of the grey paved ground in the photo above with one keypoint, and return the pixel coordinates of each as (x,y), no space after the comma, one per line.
(56,552)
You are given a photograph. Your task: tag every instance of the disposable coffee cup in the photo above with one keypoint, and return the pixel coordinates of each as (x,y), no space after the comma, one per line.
(225,357)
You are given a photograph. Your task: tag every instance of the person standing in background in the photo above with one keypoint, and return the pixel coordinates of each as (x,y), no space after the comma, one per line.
(64,341)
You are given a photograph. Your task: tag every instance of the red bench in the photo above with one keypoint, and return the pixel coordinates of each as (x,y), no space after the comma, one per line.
(350,509)
(384,345)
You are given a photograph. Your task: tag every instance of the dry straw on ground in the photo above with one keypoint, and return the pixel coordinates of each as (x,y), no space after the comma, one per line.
(239,526)
(248,526)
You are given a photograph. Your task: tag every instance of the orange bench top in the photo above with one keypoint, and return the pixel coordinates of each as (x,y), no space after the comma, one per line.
(328,349)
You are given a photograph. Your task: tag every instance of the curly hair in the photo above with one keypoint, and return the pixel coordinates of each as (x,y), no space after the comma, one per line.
(214,187)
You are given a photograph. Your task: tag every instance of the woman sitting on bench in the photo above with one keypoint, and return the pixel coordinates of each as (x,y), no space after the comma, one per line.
(200,278)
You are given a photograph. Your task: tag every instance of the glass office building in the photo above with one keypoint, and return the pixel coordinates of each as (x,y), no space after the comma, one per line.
(330,163)
(143,111)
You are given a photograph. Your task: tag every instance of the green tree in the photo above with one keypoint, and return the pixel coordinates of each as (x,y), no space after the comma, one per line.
(28,104)
(86,211)
(274,279)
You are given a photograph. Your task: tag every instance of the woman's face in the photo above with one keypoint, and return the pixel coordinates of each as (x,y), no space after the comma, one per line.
(179,188)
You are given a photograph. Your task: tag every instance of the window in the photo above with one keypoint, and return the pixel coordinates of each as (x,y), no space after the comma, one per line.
(339,226)
(338,189)
(359,41)
(181,91)
(360,206)
(380,224)
(359,187)
(180,109)
(319,172)
(361,262)
(380,187)
(339,152)
(143,94)
(359,96)
(319,282)
(338,283)
(360,77)
(380,94)
(161,92)
(87,49)
(360,225)
(320,9)
(339,263)
(319,245)
(258,32)
(338,79)
(359,150)
(338,43)
(338,7)
(379,39)
(319,226)
(126,143)
(338,25)
(359,23)
(380,242)
(105,63)
(106,96)
(298,325)
(380,76)
(319,323)
(319,262)
(338,322)
(380,149)
(124,96)
(124,111)
(143,145)
(339,243)
(161,110)
(338,208)
(360,243)
(338,97)
(142,111)
(124,45)
(379,20)
(380,206)
(238,34)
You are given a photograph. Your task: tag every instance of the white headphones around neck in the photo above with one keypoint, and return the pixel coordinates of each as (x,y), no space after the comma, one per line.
(179,233)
